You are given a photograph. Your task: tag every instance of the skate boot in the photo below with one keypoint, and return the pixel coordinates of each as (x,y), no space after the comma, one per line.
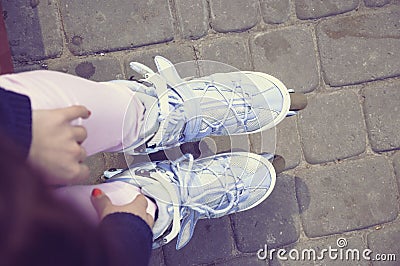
(187,190)
(185,110)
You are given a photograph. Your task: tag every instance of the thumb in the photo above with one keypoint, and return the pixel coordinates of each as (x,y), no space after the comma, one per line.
(100,202)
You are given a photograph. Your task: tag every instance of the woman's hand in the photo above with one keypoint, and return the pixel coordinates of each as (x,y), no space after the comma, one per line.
(56,144)
(104,207)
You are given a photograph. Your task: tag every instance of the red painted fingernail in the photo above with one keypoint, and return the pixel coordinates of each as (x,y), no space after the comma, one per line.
(96,192)
(89,113)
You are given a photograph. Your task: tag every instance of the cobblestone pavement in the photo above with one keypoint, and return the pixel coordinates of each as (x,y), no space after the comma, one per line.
(343,159)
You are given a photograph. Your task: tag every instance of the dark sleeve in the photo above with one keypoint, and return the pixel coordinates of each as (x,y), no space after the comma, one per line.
(129,238)
(16,118)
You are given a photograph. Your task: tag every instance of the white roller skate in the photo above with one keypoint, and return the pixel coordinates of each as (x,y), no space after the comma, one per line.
(187,190)
(185,110)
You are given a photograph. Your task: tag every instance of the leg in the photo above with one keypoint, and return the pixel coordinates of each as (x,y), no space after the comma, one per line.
(116,117)
(117,114)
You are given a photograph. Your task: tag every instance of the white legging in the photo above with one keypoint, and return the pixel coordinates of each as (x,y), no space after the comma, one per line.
(115,121)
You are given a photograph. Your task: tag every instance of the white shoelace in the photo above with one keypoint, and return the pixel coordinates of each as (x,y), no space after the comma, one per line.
(230,193)
(230,106)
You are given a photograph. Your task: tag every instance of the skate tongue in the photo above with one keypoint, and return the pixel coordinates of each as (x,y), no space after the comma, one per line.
(167,71)
(180,94)
(196,182)
(187,228)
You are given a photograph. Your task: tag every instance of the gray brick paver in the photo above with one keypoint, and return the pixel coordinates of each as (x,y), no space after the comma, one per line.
(274,222)
(385,241)
(176,53)
(33,29)
(233,143)
(244,261)
(288,54)
(117,160)
(382,115)
(311,9)
(94,68)
(287,142)
(275,11)
(157,257)
(214,238)
(93,27)
(96,165)
(193,18)
(233,15)
(376,3)
(232,51)
(348,196)
(331,127)
(360,48)
(396,164)
(30,67)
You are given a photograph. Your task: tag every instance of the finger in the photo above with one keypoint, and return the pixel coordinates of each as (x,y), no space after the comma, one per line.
(150,220)
(77,153)
(73,112)
(100,201)
(80,133)
(82,155)
(140,201)
(83,173)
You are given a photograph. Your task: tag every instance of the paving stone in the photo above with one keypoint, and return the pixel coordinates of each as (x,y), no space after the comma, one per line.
(24,68)
(94,68)
(385,241)
(265,141)
(381,109)
(348,196)
(360,48)
(310,9)
(245,260)
(176,53)
(331,127)
(396,164)
(214,238)
(232,51)
(233,15)
(289,55)
(193,18)
(275,11)
(226,143)
(287,142)
(157,257)
(97,166)
(117,160)
(33,29)
(93,27)
(376,3)
(311,252)
(274,222)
